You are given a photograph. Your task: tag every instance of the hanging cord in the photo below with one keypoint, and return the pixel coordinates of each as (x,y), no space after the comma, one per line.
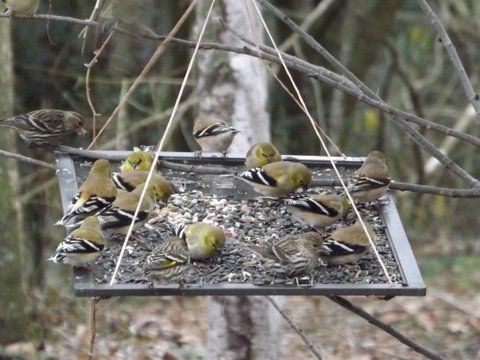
(274,75)
(162,141)
(322,142)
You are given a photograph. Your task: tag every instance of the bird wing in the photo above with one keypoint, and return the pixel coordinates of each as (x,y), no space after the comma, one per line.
(77,245)
(311,205)
(332,247)
(361,183)
(115,217)
(214,129)
(258,176)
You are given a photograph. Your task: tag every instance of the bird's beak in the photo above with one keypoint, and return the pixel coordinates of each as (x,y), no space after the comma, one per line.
(80,131)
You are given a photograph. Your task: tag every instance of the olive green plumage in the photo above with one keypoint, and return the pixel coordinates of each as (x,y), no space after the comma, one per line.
(261,154)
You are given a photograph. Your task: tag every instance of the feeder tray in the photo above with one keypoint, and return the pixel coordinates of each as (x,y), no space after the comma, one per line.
(395,249)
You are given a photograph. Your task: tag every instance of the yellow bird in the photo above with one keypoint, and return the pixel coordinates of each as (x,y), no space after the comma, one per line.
(277,179)
(261,154)
(203,240)
(371,180)
(347,245)
(138,160)
(318,210)
(22,7)
(213,134)
(97,192)
(83,246)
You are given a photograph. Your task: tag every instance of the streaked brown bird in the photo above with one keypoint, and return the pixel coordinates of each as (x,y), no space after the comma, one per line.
(45,126)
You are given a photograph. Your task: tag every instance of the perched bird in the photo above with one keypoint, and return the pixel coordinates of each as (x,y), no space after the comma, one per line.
(119,215)
(203,240)
(82,246)
(213,134)
(261,154)
(129,180)
(138,160)
(167,261)
(43,126)
(22,7)
(371,180)
(293,255)
(277,179)
(97,192)
(318,210)
(347,245)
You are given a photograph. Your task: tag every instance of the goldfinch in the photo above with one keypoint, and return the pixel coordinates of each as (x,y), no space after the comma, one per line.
(261,154)
(213,134)
(318,210)
(371,180)
(167,261)
(22,7)
(97,192)
(83,246)
(277,179)
(118,216)
(138,160)
(129,180)
(292,255)
(347,245)
(44,126)
(203,240)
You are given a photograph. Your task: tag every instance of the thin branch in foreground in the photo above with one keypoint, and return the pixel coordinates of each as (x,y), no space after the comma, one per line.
(385,327)
(93,325)
(295,328)
(370,97)
(472,96)
(214,170)
(27,159)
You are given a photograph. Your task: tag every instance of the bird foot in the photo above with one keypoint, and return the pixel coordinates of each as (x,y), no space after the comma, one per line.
(198,154)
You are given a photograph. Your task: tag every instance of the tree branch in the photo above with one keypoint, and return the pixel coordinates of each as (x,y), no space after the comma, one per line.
(27,159)
(50,17)
(295,328)
(368,96)
(385,327)
(472,96)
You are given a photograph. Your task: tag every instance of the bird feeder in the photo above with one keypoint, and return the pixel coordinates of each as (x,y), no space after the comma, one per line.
(245,218)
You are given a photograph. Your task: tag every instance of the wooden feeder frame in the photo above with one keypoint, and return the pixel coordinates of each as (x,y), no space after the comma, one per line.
(85,286)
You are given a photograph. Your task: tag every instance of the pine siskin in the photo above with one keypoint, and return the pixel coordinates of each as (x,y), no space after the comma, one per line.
(262,154)
(371,180)
(97,192)
(167,261)
(43,126)
(277,179)
(293,255)
(83,246)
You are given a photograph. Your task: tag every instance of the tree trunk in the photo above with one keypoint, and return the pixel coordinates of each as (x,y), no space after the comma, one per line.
(234,87)
(13,321)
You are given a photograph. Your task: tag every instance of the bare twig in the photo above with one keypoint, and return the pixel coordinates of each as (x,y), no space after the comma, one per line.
(368,96)
(49,17)
(93,325)
(295,328)
(472,96)
(27,159)
(88,90)
(385,327)
(153,60)
(201,169)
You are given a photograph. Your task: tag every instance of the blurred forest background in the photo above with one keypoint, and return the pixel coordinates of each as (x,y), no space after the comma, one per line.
(390,45)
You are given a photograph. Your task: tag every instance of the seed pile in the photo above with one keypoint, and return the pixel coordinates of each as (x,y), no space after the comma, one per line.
(247,220)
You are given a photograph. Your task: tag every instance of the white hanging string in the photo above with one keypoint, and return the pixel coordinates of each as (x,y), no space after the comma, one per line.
(162,142)
(312,121)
